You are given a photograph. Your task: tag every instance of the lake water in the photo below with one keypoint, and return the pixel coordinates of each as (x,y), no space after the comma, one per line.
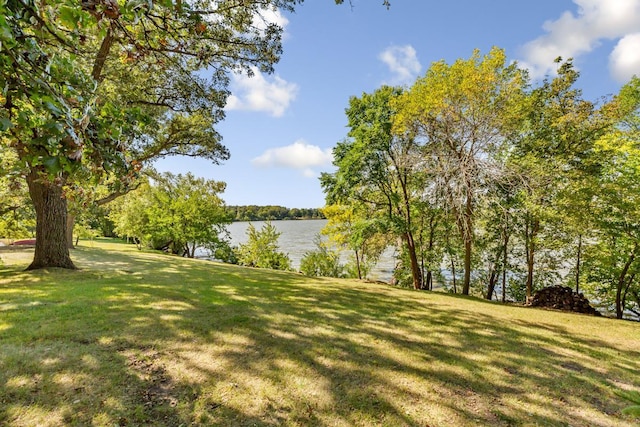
(298,237)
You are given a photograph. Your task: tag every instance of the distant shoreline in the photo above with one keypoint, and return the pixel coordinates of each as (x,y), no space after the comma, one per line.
(271,213)
(278,219)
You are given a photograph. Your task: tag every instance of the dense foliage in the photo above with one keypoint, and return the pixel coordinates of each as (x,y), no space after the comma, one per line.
(490,183)
(176,213)
(97,89)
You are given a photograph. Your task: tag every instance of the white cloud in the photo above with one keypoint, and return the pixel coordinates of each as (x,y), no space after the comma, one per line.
(624,61)
(257,93)
(300,156)
(571,35)
(402,62)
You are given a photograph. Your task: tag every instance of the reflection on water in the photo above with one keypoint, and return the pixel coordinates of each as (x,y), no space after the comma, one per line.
(298,237)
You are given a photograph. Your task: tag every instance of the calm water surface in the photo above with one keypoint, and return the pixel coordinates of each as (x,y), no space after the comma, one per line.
(298,237)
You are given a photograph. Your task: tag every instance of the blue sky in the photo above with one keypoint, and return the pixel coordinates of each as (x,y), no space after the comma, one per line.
(280,128)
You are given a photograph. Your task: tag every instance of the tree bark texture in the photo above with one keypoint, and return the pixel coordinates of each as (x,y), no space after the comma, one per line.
(493,281)
(415,266)
(71,222)
(51,224)
(494,274)
(467,267)
(428,281)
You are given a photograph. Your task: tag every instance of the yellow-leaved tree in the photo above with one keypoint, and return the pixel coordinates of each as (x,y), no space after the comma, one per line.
(462,115)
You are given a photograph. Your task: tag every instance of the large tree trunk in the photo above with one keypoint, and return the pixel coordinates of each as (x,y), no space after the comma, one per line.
(493,280)
(51,224)
(416,271)
(625,293)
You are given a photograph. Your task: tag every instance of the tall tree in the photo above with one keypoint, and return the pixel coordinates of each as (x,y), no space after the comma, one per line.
(379,168)
(104,85)
(614,251)
(555,149)
(462,114)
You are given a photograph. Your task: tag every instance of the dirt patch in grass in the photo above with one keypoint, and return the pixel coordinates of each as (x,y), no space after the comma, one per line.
(157,388)
(154,390)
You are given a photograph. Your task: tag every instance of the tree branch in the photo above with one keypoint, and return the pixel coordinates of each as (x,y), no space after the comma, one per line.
(101,58)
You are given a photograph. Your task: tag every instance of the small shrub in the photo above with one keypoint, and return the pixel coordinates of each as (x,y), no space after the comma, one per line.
(225,252)
(262,251)
(321,262)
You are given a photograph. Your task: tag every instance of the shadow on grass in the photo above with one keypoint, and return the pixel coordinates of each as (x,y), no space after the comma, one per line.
(149,340)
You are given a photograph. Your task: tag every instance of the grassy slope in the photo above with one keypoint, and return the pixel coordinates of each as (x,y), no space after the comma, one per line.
(148,339)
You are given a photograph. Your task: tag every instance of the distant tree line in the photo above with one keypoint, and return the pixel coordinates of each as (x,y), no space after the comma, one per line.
(270,213)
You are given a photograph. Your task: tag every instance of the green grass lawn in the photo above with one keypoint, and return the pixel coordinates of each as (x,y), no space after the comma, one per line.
(139,338)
